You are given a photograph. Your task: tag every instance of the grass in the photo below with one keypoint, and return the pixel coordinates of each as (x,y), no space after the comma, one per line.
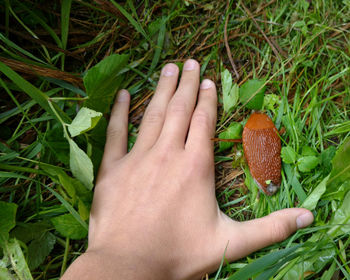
(300,49)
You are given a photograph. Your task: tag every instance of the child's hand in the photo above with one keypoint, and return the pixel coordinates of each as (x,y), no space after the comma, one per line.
(154,214)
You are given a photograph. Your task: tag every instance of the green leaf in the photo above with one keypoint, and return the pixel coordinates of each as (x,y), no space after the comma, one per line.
(68,226)
(83,210)
(230,92)
(252,94)
(288,155)
(81,165)
(7,219)
(75,188)
(313,198)
(39,249)
(316,262)
(270,100)
(341,166)
(5,273)
(308,151)
(26,232)
(307,163)
(85,120)
(234,131)
(102,82)
(13,257)
(341,219)
(326,159)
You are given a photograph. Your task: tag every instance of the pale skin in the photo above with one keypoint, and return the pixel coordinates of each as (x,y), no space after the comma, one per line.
(154,213)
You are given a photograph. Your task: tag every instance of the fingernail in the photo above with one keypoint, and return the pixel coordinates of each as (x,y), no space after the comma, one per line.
(190,65)
(123,96)
(304,220)
(169,70)
(206,84)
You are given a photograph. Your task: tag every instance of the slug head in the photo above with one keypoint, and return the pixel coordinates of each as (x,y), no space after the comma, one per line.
(272,188)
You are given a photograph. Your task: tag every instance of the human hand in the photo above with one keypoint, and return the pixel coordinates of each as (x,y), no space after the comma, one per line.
(154,213)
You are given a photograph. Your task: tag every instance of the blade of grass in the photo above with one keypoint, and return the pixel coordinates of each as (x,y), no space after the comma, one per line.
(42,23)
(68,207)
(262,263)
(159,46)
(133,22)
(18,48)
(65,14)
(34,93)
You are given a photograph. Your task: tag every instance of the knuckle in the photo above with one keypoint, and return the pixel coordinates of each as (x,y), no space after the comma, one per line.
(202,118)
(279,231)
(116,132)
(153,115)
(178,107)
(162,157)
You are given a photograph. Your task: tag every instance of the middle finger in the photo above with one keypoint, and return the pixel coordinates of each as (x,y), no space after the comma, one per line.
(181,106)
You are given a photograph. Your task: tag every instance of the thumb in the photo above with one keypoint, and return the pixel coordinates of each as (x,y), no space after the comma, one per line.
(259,233)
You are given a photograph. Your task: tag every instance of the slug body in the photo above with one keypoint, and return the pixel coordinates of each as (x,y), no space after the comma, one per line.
(262,149)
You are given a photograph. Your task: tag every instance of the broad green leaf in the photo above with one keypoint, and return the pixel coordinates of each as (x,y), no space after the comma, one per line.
(326,159)
(83,210)
(318,260)
(68,226)
(81,165)
(307,163)
(27,232)
(337,194)
(7,219)
(75,188)
(234,131)
(5,273)
(313,198)
(308,151)
(39,249)
(252,94)
(14,257)
(230,92)
(341,219)
(103,80)
(85,120)
(341,166)
(288,155)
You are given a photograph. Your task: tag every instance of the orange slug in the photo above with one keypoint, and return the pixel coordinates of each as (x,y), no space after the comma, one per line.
(262,149)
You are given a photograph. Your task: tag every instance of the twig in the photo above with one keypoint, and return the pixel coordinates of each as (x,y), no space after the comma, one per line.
(227,45)
(35,70)
(262,32)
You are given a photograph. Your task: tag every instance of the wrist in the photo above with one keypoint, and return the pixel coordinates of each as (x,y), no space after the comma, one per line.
(101,264)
